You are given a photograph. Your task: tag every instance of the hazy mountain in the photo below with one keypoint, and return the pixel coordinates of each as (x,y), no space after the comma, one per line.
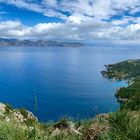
(38,43)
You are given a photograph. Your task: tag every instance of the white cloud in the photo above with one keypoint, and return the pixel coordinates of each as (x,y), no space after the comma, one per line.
(70,31)
(78,18)
(42,8)
(99,9)
(87,19)
(134,27)
(8,25)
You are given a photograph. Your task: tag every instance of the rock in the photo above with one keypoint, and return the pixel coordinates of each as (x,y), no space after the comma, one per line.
(55,132)
(71,125)
(72,130)
(31,116)
(31,128)
(80,127)
(2,107)
(121,100)
(7,119)
(103,115)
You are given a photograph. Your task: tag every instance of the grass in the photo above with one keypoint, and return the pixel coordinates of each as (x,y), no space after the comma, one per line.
(124,125)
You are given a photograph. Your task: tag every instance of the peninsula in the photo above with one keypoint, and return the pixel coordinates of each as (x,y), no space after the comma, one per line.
(128,70)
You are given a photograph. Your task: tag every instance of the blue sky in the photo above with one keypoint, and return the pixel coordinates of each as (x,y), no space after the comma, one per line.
(70,19)
(27,17)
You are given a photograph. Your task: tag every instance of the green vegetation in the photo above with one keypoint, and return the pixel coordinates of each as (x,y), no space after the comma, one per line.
(21,124)
(128,70)
(123,124)
(123,70)
(24,112)
(8,108)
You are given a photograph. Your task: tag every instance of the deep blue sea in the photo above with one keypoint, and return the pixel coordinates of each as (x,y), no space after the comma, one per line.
(67,81)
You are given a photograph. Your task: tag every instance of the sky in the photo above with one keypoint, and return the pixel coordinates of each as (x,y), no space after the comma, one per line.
(70,19)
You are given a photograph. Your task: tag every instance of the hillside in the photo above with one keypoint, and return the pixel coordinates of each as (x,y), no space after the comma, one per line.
(127,70)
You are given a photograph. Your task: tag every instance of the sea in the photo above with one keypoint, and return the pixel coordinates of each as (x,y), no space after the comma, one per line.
(62,81)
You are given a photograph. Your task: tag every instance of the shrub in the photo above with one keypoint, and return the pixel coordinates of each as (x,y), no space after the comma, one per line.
(8,108)
(24,112)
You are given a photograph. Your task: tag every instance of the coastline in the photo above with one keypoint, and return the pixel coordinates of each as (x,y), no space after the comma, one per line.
(103,126)
(96,125)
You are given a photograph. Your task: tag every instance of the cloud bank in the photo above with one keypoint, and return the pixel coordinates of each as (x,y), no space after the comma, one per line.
(83,20)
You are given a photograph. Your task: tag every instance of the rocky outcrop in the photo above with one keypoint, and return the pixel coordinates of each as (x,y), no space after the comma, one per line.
(7,113)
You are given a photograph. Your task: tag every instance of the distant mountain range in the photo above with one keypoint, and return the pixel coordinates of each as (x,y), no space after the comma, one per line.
(38,43)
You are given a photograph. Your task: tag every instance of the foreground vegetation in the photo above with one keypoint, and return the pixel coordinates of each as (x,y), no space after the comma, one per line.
(123,124)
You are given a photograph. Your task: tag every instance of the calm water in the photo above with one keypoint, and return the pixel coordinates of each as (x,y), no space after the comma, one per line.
(67,80)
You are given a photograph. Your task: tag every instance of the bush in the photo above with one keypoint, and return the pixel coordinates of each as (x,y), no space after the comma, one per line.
(8,108)
(23,112)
